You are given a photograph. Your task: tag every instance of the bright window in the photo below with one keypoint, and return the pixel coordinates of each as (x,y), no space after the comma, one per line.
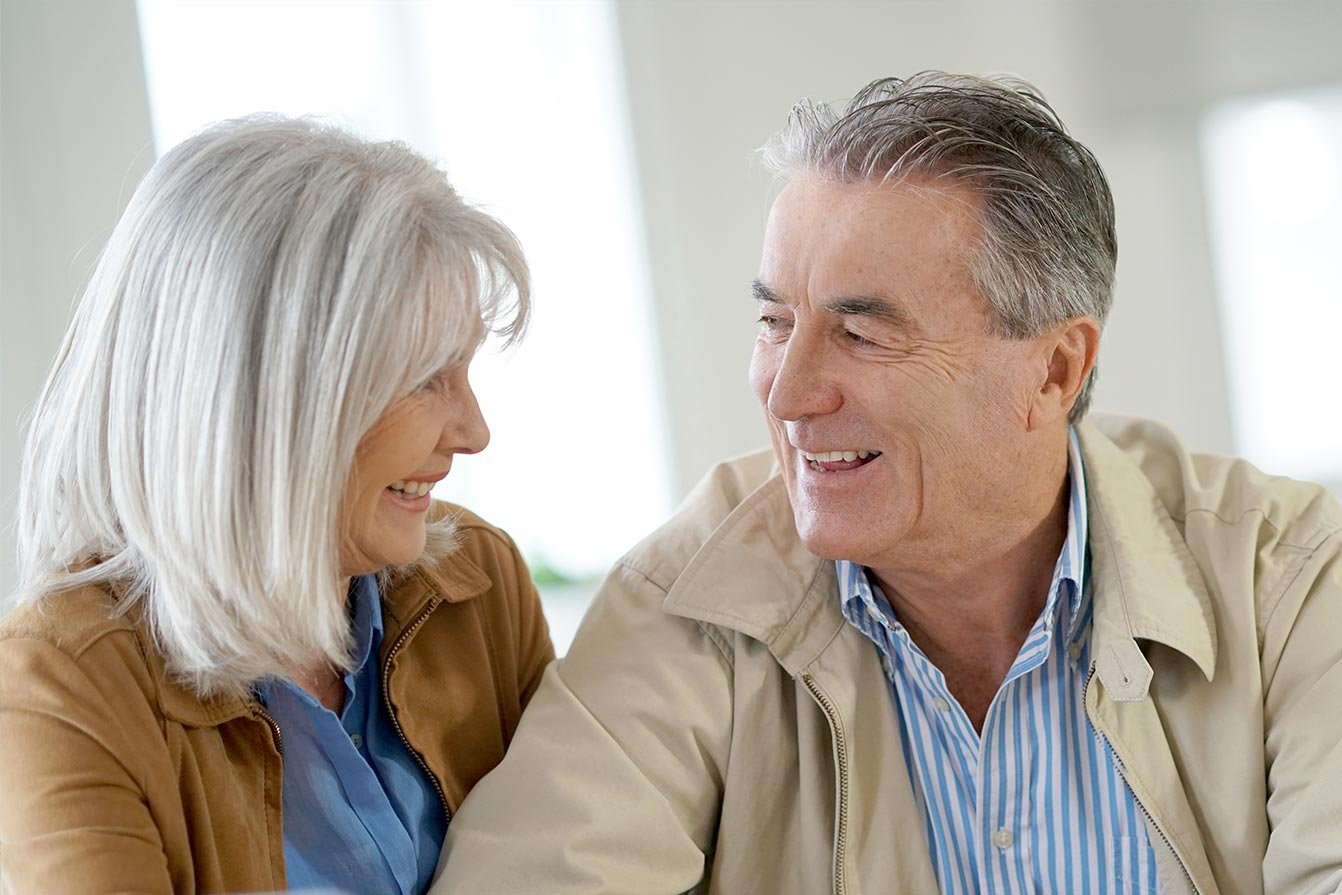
(1274,177)
(523,103)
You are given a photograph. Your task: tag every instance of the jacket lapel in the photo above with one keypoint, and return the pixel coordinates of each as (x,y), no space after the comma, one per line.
(1146,587)
(754,575)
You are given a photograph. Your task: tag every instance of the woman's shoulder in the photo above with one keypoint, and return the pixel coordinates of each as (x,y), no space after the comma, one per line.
(72,621)
(75,644)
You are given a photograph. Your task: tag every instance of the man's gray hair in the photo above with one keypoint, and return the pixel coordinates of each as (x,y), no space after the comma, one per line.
(1048,248)
(273,287)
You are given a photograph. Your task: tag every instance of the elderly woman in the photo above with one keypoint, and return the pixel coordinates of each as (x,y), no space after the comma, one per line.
(249,650)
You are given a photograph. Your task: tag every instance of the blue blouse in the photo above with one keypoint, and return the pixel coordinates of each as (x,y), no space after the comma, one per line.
(360,814)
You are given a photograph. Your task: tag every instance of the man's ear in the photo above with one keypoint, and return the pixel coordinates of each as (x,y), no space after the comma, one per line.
(1067,355)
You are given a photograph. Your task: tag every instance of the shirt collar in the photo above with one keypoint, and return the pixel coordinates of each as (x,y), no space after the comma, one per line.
(366,618)
(856,593)
(365,610)
(1071,565)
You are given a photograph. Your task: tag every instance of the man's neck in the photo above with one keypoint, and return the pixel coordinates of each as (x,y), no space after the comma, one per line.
(970,608)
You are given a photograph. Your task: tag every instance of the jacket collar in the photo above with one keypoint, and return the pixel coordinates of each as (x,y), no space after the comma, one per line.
(1147,584)
(453,580)
(754,575)
(405,594)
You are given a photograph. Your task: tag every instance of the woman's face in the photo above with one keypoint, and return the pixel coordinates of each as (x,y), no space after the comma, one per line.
(400,458)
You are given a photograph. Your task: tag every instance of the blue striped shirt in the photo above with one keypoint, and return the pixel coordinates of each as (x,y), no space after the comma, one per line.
(1036,803)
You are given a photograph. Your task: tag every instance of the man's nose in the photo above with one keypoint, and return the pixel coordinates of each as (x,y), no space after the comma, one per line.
(804,385)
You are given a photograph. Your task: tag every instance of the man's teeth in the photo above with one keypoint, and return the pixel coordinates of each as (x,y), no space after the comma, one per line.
(412,489)
(836,456)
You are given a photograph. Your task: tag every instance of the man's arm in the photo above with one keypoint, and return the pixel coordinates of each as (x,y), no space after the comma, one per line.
(613,782)
(1302,653)
(72,816)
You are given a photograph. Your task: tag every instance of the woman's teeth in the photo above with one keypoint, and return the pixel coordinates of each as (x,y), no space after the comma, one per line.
(411,489)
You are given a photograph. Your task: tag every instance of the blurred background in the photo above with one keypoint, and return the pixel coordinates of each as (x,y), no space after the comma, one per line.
(616,138)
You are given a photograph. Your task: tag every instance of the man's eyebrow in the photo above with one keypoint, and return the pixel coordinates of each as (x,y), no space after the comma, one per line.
(763,293)
(871,306)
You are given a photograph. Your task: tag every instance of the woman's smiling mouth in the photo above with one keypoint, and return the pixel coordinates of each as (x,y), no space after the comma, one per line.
(413,494)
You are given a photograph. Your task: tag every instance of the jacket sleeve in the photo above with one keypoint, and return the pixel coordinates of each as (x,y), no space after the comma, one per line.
(535,650)
(73,817)
(613,783)
(1302,650)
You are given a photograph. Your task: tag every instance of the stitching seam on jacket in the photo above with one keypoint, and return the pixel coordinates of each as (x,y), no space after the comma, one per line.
(708,633)
(718,639)
(1319,538)
(1288,579)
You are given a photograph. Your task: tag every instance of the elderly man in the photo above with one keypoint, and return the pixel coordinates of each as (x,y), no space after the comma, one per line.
(948,637)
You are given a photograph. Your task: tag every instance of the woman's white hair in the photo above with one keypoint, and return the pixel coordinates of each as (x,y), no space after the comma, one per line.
(274,285)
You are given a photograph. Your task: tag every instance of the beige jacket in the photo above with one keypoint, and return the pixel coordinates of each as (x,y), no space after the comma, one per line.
(719,727)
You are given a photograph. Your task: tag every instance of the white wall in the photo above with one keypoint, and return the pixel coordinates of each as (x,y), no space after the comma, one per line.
(74,141)
(709,81)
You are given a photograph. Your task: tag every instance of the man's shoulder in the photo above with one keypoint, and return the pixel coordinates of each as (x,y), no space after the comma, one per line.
(732,487)
(1228,490)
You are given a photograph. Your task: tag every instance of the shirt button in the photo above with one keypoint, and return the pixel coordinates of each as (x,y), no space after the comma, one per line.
(1074,651)
(356,740)
(885,665)
(1003,839)
(941,704)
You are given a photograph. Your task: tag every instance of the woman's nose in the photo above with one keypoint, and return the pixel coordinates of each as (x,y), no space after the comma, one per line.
(466,431)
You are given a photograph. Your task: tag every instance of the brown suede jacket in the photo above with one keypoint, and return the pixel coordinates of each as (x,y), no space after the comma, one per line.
(113,779)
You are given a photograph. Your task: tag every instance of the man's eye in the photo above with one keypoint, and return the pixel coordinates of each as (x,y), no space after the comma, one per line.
(858,339)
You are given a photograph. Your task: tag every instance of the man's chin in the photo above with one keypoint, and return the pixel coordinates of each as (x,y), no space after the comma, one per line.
(826,543)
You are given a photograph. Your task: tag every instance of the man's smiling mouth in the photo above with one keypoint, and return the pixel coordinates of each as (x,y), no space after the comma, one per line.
(838,461)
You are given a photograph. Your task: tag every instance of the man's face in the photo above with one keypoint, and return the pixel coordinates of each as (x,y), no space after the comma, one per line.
(874,339)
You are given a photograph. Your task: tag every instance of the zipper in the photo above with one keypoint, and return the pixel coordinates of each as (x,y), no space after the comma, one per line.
(1118,763)
(265,716)
(841,760)
(259,712)
(391,710)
